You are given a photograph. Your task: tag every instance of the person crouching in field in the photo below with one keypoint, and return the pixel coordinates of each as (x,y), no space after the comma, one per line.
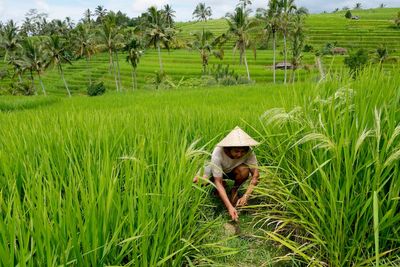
(233,159)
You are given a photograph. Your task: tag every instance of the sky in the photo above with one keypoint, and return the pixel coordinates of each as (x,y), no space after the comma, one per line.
(59,9)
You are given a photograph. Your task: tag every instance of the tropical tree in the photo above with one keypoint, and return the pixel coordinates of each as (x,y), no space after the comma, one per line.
(381,55)
(9,39)
(157,31)
(84,45)
(57,55)
(382,5)
(397,20)
(34,59)
(272,24)
(100,12)
(298,38)
(202,12)
(357,6)
(239,26)
(244,3)
(287,7)
(169,15)
(87,16)
(135,50)
(204,42)
(110,39)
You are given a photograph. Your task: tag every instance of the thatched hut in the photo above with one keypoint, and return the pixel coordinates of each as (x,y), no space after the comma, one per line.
(281,65)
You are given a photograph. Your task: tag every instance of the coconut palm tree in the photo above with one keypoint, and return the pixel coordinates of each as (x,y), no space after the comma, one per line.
(34,59)
(87,16)
(240,26)
(135,51)
(298,38)
(9,39)
(110,39)
(157,31)
(84,45)
(168,13)
(57,55)
(244,3)
(202,12)
(397,20)
(100,12)
(204,43)
(272,24)
(287,7)
(357,6)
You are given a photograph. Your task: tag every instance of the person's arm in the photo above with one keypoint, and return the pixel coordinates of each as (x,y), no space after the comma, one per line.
(222,193)
(254,181)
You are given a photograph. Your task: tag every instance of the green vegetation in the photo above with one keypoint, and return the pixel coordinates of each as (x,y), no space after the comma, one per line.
(107,180)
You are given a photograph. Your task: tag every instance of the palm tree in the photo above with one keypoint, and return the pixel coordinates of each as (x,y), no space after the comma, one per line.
(397,20)
(168,13)
(240,26)
(87,16)
(110,39)
(204,43)
(297,44)
(9,39)
(34,59)
(84,45)
(287,7)
(382,5)
(357,6)
(201,12)
(157,31)
(272,20)
(135,51)
(100,12)
(57,54)
(244,3)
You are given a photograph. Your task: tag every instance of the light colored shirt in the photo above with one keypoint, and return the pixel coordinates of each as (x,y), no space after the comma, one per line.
(221,163)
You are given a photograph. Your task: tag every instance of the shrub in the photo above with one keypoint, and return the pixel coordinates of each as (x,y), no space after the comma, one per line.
(308,48)
(96,89)
(21,88)
(356,61)
(348,14)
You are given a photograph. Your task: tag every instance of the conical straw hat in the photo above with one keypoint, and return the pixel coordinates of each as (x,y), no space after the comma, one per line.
(237,137)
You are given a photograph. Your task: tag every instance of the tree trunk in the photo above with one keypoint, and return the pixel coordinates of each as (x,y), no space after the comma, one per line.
(119,73)
(115,75)
(247,67)
(159,57)
(133,80)
(41,84)
(88,70)
(285,54)
(65,82)
(320,68)
(274,62)
(111,62)
(33,83)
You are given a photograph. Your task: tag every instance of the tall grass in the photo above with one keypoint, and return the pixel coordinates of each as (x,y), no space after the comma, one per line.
(332,187)
(107,180)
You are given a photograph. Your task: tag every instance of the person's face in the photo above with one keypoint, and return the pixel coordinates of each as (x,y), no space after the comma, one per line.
(238,152)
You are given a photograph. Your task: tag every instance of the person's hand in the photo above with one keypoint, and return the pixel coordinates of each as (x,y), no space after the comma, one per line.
(242,201)
(234,214)
(196,179)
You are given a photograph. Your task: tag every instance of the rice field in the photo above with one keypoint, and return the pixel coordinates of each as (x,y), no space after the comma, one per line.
(107,180)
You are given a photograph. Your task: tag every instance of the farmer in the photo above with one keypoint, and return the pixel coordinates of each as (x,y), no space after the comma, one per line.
(233,159)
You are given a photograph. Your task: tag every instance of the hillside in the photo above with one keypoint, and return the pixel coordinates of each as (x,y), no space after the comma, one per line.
(373,29)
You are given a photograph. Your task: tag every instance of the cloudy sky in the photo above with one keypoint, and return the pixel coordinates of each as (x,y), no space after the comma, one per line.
(16,9)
